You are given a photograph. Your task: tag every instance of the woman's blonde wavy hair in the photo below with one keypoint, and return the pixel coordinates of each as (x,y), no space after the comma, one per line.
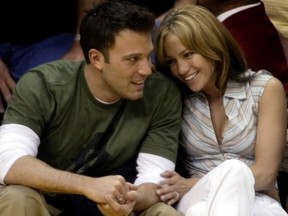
(201,32)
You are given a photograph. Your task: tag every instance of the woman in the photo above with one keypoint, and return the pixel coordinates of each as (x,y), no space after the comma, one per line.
(234,121)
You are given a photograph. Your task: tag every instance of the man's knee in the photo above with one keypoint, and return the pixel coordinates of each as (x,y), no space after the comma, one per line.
(18,193)
(24,200)
(161,209)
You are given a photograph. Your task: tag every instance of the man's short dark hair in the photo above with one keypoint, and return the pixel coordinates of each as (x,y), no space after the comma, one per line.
(102,23)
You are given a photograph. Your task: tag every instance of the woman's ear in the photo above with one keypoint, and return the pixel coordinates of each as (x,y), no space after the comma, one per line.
(96,58)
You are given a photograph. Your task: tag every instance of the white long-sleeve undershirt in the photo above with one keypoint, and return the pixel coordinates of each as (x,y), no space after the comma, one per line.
(17,141)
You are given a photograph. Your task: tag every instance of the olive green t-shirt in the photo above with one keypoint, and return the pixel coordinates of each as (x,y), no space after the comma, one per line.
(54,101)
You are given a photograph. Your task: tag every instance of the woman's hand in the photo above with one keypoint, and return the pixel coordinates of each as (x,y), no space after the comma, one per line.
(174,187)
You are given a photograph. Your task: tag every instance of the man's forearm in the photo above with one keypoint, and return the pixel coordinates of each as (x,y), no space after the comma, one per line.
(34,173)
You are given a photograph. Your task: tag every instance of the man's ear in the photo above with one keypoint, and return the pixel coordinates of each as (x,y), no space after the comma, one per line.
(97,59)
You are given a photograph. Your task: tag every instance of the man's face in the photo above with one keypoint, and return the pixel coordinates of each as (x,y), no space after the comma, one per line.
(129,65)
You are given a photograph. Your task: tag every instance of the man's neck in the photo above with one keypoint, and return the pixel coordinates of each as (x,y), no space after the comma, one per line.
(97,87)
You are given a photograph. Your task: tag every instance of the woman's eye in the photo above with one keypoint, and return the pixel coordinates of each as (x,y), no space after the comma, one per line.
(188,54)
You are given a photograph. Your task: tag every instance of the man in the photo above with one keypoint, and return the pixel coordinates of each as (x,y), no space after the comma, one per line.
(77,128)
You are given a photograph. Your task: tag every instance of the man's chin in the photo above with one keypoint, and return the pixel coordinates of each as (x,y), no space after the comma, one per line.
(135,97)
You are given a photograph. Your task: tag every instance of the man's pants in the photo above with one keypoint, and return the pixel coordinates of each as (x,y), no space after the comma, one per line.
(16,200)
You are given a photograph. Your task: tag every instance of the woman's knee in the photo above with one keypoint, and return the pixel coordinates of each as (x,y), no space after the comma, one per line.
(237,170)
(235,166)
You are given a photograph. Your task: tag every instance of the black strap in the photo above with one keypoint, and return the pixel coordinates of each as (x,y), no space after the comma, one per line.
(92,165)
(110,130)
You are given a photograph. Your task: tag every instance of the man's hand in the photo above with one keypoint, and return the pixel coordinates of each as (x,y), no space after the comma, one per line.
(113,208)
(7,85)
(119,207)
(98,189)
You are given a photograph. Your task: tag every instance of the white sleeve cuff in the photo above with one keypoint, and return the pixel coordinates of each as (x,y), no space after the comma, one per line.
(149,167)
(15,141)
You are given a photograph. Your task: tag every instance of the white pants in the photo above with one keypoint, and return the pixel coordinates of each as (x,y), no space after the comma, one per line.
(228,190)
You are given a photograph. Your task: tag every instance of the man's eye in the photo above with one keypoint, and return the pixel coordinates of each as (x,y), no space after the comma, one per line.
(134,59)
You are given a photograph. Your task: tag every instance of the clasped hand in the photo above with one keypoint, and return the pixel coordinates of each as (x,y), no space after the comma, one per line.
(119,202)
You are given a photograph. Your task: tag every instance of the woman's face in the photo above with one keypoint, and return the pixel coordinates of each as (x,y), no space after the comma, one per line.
(191,68)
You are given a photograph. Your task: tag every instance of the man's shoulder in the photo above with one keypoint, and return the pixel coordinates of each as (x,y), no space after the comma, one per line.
(160,86)
(161,80)
(157,77)
(56,66)
(54,72)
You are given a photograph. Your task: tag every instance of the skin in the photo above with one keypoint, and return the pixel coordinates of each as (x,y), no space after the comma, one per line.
(7,84)
(197,73)
(124,76)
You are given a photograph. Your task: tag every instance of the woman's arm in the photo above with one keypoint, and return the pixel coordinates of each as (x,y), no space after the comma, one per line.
(271,135)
